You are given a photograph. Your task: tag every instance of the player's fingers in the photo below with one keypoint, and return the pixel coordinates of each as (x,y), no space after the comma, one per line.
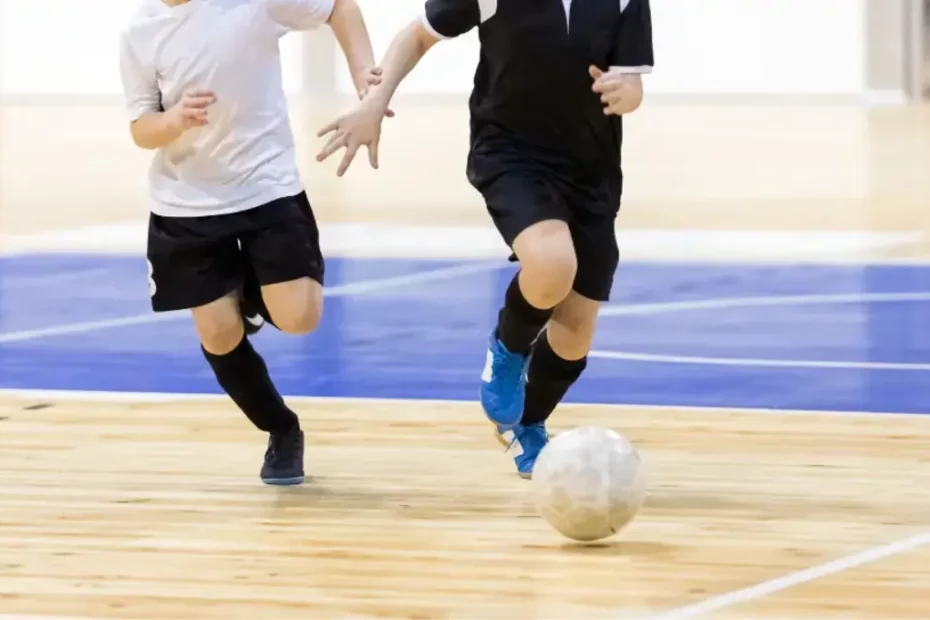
(608,83)
(198,102)
(334,126)
(389,113)
(595,72)
(613,96)
(335,143)
(373,79)
(200,92)
(377,70)
(351,150)
(373,152)
(194,113)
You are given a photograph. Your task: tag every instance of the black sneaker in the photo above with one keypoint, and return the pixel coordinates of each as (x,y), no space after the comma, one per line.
(284,459)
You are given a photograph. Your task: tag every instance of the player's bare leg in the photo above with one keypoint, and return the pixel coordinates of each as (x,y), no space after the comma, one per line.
(242,374)
(295,307)
(559,356)
(547,271)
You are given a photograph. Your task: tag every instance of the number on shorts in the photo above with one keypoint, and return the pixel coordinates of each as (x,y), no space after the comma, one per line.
(152,286)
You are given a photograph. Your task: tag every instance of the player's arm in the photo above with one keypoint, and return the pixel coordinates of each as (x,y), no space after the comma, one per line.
(621,86)
(346,21)
(441,19)
(152,127)
(348,26)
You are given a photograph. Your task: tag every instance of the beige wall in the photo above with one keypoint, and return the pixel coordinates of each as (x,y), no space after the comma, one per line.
(894,45)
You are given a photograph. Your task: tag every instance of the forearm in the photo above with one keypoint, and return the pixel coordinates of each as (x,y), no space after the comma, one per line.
(405,51)
(348,26)
(154,130)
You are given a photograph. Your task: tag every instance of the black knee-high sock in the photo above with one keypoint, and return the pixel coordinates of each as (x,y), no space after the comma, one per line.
(243,375)
(548,379)
(519,322)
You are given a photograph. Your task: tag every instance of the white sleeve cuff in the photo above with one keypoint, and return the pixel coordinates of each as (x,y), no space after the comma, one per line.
(429,27)
(135,112)
(642,69)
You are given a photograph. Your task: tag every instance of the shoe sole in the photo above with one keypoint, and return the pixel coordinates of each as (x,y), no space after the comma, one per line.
(283,482)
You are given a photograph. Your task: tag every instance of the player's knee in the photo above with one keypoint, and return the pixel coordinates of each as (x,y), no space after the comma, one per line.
(301,319)
(295,307)
(220,335)
(219,325)
(548,275)
(547,262)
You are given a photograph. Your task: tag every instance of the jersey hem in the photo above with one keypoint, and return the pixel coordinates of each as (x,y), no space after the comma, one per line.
(166,210)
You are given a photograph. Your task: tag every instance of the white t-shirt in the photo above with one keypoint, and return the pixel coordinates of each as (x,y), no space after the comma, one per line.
(244,157)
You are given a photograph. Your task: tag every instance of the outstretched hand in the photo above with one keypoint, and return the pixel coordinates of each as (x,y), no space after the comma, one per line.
(359,127)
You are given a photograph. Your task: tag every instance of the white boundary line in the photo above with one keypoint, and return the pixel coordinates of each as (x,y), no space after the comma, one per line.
(353,288)
(772,586)
(720,303)
(754,362)
(758,302)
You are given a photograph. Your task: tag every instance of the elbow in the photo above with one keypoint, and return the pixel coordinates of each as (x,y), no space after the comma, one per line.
(141,140)
(145,146)
(423,39)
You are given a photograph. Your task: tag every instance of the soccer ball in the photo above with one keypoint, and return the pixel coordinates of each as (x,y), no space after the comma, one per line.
(588,483)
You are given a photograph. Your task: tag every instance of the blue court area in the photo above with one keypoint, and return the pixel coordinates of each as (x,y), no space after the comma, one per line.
(850,338)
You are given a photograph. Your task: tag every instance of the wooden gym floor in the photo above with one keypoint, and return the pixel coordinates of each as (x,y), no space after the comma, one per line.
(148,506)
(153,510)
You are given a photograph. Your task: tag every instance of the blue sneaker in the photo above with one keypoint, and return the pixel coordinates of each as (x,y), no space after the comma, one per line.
(502,385)
(526,442)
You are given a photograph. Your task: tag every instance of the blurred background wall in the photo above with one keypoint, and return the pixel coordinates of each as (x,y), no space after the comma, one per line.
(747,77)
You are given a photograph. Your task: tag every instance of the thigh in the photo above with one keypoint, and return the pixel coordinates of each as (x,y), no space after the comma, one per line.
(191,261)
(518,193)
(281,241)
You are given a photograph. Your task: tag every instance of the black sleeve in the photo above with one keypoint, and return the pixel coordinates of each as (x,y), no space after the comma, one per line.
(634,44)
(451,18)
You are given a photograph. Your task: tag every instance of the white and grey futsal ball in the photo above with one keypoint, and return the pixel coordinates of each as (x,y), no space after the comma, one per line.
(588,483)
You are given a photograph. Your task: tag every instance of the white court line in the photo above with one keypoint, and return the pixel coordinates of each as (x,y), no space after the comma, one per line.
(757,302)
(354,288)
(757,362)
(801,577)
(720,303)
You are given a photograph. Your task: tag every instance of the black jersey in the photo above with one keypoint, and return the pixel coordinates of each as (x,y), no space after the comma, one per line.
(532,89)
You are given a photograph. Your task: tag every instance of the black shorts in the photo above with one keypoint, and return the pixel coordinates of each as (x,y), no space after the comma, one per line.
(520,192)
(196,260)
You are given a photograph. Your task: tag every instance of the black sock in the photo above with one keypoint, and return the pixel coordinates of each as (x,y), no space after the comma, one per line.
(519,323)
(243,375)
(549,377)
